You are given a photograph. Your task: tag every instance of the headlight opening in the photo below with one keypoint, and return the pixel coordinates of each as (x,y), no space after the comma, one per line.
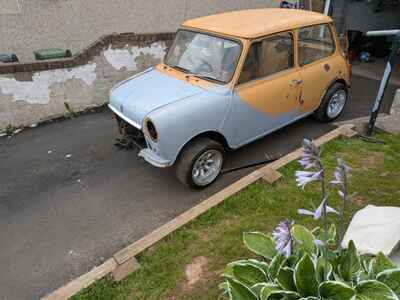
(151,130)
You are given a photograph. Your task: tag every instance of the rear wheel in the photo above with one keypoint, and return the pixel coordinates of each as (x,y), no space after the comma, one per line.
(200,163)
(332,104)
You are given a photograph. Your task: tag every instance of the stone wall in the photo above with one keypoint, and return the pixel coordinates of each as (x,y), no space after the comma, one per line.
(34,92)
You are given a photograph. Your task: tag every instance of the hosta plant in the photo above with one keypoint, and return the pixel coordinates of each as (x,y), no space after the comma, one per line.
(297,263)
(301,275)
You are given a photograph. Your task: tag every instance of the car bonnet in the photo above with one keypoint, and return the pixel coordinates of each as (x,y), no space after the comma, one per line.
(135,98)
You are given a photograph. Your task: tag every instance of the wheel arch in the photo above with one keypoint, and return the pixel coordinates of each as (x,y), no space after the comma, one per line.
(336,80)
(340,80)
(318,113)
(211,134)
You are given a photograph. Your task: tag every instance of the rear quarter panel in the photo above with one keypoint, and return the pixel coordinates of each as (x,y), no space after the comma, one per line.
(319,76)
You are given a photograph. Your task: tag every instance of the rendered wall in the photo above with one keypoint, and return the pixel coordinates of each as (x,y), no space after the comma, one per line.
(74,24)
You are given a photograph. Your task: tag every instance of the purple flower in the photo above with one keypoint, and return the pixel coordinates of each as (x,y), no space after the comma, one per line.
(311,155)
(341,172)
(307,162)
(283,238)
(305,177)
(317,214)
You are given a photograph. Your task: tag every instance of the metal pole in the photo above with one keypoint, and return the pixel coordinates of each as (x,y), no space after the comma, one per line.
(386,76)
(327,7)
(383,32)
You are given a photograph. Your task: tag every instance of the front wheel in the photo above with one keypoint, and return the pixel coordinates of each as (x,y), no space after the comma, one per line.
(200,163)
(332,104)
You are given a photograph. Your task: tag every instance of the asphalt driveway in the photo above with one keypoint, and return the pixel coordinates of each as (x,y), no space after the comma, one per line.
(70,199)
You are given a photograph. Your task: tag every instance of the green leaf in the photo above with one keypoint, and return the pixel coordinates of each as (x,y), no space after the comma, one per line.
(349,262)
(374,290)
(260,264)
(276,264)
(332,234)
(228,272)
(382,263)
(223,286)
(282,295)
(260,244)
(248,274)
(391,278)
(286,279)
(257,288)
(238,291)
(267,290)
(304,237)
(305,277)
(334,290)
(366,264)
(321,269)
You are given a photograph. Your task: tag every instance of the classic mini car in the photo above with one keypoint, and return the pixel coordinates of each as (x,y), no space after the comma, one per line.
(227,80)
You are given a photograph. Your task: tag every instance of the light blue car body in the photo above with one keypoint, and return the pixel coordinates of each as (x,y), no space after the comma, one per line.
(182,111)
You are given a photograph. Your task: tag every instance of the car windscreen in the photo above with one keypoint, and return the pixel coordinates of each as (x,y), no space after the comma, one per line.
(203,55)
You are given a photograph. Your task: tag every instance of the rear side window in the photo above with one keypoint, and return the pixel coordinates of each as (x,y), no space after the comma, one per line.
(267,57)
(315,42)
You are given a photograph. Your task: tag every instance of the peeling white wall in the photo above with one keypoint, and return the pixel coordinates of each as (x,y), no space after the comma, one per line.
(27,98)
(126,58)
(37,91)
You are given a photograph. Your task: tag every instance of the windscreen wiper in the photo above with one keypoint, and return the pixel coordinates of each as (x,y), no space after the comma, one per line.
(179,68)
(202,77)
(188,74)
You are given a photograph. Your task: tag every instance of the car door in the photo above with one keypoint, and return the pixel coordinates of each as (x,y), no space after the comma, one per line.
(319,63)
(267,93)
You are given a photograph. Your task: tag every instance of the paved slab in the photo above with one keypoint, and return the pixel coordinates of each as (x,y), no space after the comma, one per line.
(60,216)
(374,229)
(390,124)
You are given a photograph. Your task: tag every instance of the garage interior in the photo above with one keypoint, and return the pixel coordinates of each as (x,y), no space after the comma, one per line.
(369,55)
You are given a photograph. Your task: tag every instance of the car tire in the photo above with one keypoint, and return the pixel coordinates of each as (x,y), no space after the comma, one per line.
(332,104)
(195,158)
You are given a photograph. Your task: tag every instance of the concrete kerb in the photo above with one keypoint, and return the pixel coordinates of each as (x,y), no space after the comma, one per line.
(124,262)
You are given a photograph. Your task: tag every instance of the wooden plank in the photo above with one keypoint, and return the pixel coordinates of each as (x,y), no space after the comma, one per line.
(179,221)
(284,160)
(123,271)
(76,285)
(348,132)
(271,175)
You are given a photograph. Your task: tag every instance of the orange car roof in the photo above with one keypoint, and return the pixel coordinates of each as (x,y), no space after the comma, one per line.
(254,23)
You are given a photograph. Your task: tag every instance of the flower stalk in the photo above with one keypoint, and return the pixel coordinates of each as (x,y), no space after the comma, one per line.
(326,226)
(311,160)
(341,180)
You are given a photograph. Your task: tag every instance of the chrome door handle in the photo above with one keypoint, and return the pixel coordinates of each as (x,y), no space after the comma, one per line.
(296,81)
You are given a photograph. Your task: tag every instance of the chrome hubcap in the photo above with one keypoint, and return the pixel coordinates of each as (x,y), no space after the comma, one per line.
(336,104)
(207,167)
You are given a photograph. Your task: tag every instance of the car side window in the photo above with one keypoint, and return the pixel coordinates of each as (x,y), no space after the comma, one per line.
(267,57)
(315,42)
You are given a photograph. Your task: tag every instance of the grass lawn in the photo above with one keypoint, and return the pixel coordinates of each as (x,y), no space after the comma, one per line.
(188,263)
